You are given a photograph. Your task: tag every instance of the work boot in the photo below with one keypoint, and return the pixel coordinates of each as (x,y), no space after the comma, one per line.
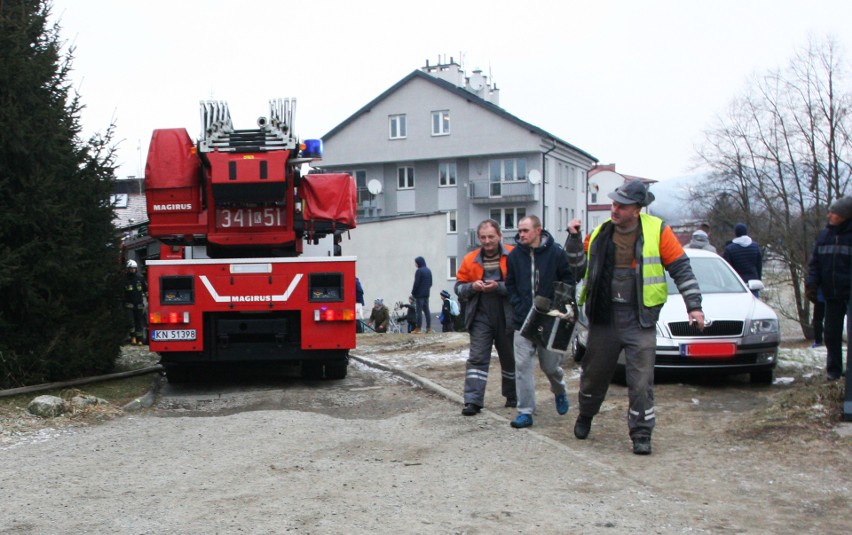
(582,427)
(470,409)
(133,341)
(642,445)
(416,331)
(429,331)
(511,402)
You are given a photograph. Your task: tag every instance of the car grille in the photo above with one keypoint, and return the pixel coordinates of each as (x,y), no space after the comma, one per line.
(717,328)
(679,361)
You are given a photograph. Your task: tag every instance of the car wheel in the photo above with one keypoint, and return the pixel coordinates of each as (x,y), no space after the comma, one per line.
(763,377)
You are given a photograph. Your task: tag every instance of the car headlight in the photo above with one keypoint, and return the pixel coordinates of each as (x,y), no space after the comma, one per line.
(763,326)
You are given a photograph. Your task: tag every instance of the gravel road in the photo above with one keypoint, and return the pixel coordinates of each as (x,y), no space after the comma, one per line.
(375,454)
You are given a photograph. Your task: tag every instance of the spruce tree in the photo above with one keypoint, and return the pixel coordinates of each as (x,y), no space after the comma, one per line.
(60,285)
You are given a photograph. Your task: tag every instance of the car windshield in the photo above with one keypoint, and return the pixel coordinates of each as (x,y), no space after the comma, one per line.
(714,277)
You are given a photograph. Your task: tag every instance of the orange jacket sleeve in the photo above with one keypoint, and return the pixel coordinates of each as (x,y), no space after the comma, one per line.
(670,247)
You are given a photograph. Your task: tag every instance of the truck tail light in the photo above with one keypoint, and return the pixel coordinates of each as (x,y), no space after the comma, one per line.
(168,317)
(334,314)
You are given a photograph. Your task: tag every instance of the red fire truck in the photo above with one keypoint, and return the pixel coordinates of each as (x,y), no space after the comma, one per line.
(232,213)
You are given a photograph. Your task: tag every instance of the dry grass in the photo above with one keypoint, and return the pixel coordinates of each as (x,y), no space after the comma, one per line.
(811,408)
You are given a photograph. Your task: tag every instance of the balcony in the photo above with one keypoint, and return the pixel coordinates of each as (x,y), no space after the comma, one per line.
(367,205)
(487,192)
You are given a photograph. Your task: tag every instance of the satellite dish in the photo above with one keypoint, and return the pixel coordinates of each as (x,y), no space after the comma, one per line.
(374,186)
(535,177)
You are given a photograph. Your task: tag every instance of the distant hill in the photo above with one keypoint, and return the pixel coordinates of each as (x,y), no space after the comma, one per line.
(671,201)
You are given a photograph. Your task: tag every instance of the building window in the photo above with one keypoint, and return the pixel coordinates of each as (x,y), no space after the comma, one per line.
(396,126)
(441,123)
(508,217)
(452,267)
(405,178)
(447,174)
(508,170)
(360,178)
(452,222)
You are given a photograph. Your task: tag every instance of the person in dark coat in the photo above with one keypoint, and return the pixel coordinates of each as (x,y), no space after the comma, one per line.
(535,263)
(135,289)
(446,313)
(743,254)
(411,313)
(420,291)
(359,299)
(830,270)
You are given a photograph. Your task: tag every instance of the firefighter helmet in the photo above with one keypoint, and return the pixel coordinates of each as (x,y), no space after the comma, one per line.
(131,264)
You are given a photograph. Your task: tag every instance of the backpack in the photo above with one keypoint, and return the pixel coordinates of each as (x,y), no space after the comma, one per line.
(454,307)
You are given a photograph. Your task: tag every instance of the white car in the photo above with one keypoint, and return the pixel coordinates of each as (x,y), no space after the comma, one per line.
(741,333)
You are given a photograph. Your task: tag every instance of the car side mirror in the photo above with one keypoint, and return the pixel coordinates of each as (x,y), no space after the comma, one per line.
(755,284)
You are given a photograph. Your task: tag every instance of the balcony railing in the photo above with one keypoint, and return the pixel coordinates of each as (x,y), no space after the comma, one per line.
(485,191)
(367,205)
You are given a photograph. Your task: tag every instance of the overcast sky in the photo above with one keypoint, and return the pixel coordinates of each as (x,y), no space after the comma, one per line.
(631,82)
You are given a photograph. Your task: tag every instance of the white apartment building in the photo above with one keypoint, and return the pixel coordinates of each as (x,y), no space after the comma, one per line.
(436,154)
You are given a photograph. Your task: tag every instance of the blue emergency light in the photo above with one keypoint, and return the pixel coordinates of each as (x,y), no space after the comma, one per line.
(313,148)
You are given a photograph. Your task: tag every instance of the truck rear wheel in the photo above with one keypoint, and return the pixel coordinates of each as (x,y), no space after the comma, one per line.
(336,369)
(312,370)
(333,368)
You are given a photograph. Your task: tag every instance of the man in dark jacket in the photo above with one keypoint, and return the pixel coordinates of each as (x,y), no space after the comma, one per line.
(420,291)
(534,265)
(743,254)
(830,270)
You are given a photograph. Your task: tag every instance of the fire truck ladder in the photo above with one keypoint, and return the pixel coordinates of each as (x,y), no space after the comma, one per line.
(273,133)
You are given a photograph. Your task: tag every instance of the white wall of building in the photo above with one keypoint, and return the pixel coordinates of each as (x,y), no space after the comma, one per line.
(386,251)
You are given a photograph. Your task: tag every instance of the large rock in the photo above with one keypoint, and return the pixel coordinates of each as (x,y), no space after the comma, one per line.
(84,400)
(47,406)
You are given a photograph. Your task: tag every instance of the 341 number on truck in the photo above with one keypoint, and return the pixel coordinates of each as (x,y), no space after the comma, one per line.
(232,213)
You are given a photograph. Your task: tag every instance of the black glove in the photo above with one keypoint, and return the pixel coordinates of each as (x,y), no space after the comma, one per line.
(811,292)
